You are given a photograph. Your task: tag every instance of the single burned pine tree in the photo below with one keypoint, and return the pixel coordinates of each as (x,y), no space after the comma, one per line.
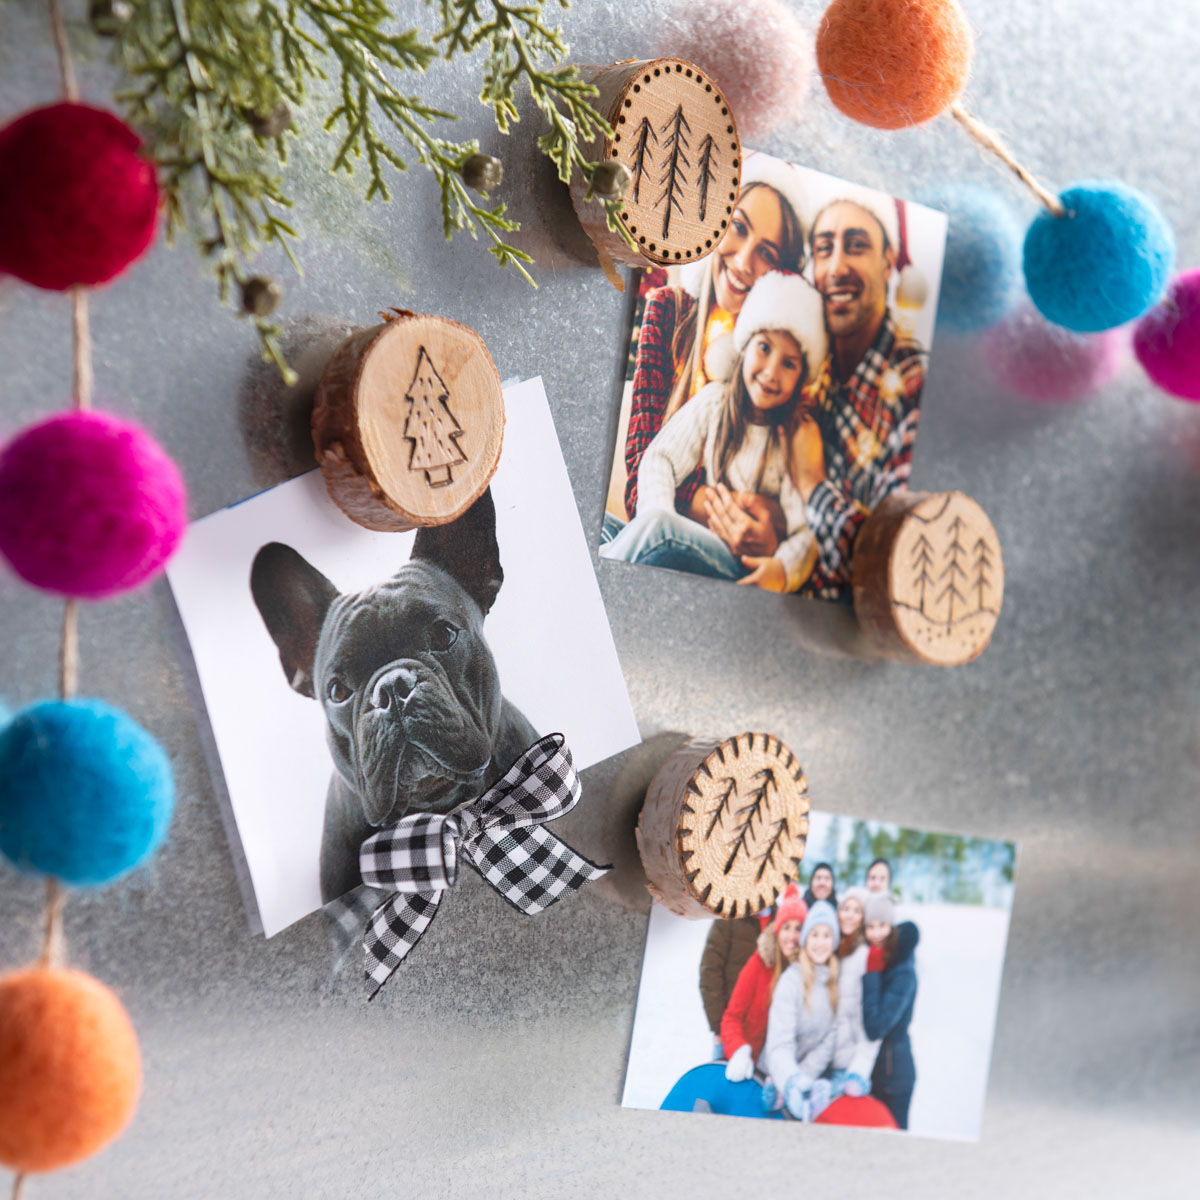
(750,812)
(722,805)
(922,561)
(707,174)
(983,567)
(674,176)
(953,571)
(431,427)
(641,154)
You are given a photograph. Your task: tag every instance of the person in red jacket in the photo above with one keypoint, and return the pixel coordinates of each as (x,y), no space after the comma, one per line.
(744,1025)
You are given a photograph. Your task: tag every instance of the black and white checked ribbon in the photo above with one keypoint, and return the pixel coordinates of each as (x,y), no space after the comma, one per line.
(501,834)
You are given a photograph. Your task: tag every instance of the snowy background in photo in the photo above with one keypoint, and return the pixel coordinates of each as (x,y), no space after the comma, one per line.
(960,960)
(271,740)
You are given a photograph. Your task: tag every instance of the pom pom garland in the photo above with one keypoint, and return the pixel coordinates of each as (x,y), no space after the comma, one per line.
(90,505)
(86,794)
(1045,363)
(894,63)
(981,275)
(1167,339)
(78,202)
(757,52)
(70,1068)
(1104,263)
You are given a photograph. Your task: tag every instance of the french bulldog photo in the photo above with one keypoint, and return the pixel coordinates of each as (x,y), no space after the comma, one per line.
(415,717)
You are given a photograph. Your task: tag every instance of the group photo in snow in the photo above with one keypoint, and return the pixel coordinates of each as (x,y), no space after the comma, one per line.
(866,995)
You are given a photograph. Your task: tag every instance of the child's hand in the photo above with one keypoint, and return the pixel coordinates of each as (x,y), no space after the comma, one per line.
(746,528)
(766,573)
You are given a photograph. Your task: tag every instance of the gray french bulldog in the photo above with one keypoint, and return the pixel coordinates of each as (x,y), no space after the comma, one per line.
(415,716)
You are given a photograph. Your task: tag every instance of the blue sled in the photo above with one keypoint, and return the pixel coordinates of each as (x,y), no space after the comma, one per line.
(705,1089)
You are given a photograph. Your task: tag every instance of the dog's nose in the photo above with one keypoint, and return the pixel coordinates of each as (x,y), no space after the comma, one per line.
(393,688)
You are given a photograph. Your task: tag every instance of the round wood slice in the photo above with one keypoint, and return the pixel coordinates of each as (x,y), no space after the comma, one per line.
(674,130)
(408,422)
(724,825)
(928,578)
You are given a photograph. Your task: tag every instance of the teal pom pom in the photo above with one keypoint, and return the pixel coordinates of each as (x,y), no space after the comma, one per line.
(86,794)
(1103,264)
(981,275)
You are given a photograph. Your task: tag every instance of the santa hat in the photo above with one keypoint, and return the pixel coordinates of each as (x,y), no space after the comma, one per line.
(789,907)
(787,180)
(880,907)
(790,303)
(821,913)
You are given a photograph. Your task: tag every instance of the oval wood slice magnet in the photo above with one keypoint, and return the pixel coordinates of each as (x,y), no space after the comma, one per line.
(724,825)
(928,578)
(673,129)
(408,422)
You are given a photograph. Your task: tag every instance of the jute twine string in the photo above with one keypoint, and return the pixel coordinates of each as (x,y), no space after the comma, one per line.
(990,141)
(53,951)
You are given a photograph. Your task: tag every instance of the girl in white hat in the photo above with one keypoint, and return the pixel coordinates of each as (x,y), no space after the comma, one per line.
(739,431)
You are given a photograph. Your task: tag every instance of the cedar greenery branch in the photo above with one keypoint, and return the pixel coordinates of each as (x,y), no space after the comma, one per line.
(213,83)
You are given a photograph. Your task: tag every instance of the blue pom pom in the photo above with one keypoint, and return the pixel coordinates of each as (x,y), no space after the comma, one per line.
(86,794)
(981,275)
(1104,264)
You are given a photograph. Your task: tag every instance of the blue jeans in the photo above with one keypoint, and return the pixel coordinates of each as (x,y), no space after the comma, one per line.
(667,539)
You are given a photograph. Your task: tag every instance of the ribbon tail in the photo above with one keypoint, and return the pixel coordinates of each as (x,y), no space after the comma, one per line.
(395,929)
(531,867)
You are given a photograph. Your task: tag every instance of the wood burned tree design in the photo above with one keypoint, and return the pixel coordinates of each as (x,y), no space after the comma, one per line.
(674,175)
(642,156)
(735,818)
(953,572)
(431,427)
(707,174)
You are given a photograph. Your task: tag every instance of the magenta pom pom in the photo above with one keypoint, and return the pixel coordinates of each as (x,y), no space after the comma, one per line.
(756,51)
(1049,364)
(1167,339)
(90,505)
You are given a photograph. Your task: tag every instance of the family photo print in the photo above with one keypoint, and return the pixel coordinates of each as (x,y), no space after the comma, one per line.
(773,388)
(866,995)
(351,676)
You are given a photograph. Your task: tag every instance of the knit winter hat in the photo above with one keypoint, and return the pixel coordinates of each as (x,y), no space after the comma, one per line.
(881,907)
(855,893)
(790,303)
(789,907)
(880,206)
(821,913)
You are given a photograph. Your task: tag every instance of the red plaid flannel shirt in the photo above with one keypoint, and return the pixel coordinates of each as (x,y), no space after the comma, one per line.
(653,378)
(869,429)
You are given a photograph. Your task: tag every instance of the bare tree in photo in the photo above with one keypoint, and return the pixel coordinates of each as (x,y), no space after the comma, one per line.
(431,427)
(674,176)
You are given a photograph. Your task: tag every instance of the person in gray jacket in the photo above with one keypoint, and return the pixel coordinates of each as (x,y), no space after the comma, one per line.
(802,1024)
(854,1054)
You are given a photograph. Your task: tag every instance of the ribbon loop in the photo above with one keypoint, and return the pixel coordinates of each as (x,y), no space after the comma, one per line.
(501,835)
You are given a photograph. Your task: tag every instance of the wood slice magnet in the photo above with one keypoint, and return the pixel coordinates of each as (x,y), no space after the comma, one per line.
(674,130)
(928,578)
(408,422)
(724,825)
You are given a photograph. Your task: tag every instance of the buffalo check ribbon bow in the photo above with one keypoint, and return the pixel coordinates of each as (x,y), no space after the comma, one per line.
(501,834)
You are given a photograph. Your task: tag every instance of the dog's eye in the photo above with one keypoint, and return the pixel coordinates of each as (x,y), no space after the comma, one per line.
(338,692)
(443,635)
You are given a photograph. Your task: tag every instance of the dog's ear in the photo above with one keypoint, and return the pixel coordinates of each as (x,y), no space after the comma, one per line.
(467,550)
(293,598)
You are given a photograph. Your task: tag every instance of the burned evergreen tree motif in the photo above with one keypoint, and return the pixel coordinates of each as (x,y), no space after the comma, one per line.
(953,570)
(750,812)
(983,569)
(722,804)
(674,176)
(641,155)
(922,561)
(707,174)
(779,830)
(431,426)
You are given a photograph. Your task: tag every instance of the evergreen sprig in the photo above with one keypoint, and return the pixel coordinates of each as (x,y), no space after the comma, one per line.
(206,75)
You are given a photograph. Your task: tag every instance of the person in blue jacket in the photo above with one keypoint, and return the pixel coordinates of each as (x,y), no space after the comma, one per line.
(889,991)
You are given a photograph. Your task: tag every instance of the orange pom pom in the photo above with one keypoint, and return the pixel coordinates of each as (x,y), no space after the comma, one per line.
(893,63)
(70,1069)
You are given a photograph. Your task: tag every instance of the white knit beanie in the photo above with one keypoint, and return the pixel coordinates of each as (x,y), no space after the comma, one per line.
(879,205)
(790,303)
(881,907)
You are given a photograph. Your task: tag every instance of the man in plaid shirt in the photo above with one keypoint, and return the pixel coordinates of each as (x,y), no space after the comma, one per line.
(870,386)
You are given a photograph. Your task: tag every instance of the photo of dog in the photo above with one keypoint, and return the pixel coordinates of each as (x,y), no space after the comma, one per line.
(416,721)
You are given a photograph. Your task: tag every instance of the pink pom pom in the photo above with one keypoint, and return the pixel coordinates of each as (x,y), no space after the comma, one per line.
(90,505)
(757,52)
(1167,339)
(1049,364)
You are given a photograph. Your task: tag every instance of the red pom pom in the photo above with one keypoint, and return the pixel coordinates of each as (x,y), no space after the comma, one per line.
(78,202)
